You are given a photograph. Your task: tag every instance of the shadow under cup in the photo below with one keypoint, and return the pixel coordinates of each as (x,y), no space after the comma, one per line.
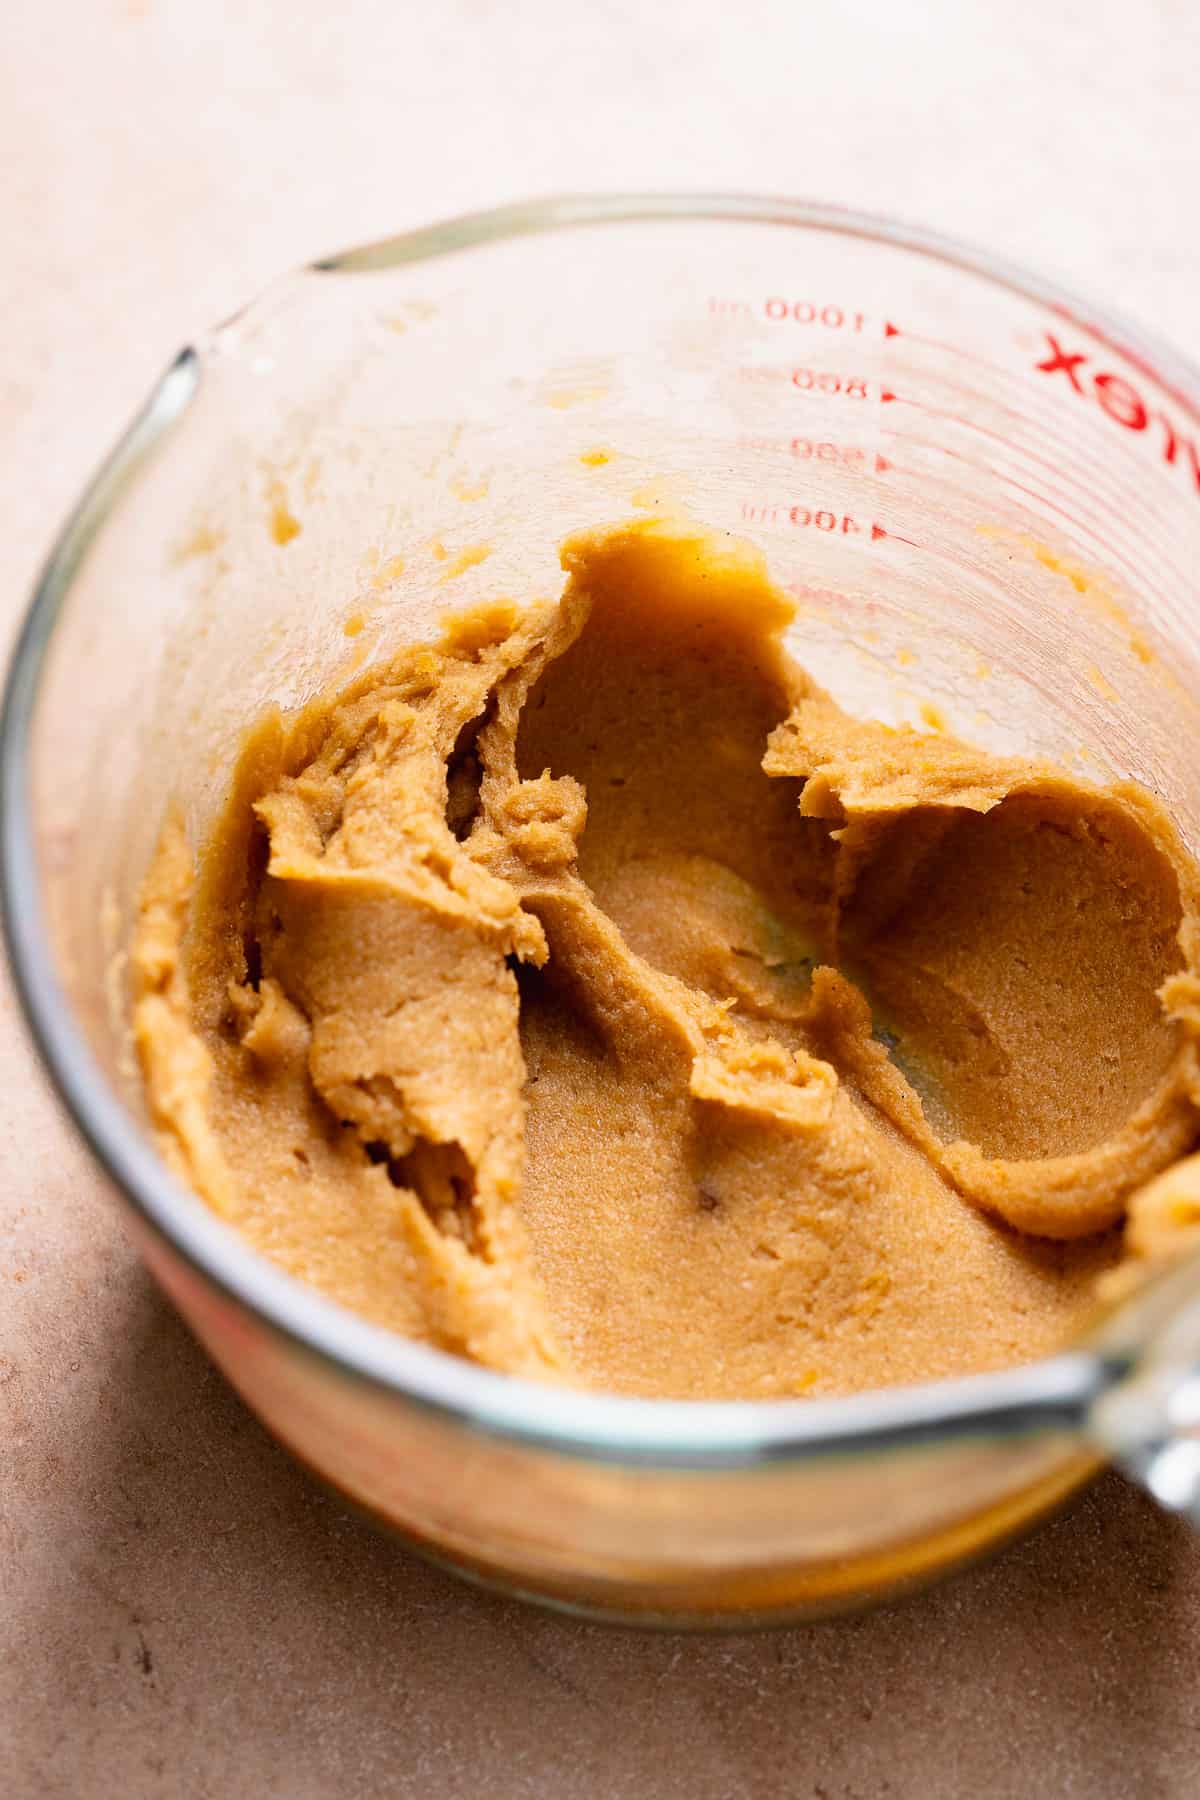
(984,499)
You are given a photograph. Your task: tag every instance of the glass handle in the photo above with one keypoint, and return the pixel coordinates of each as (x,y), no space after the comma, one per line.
(1147,1415)
(1155,1438)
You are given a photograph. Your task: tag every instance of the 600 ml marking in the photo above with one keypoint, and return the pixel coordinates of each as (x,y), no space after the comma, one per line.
(1121,401)
(850,456)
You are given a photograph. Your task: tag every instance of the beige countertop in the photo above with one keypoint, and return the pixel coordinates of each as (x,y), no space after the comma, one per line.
(182,1612)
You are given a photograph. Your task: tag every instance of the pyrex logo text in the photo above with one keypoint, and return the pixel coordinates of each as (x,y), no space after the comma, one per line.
(1122,402)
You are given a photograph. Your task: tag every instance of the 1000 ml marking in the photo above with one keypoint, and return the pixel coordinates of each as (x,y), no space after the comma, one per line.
(798,312)
(1121,401)
(804,312)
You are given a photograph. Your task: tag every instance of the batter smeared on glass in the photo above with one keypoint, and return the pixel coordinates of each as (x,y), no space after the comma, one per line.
(589,995)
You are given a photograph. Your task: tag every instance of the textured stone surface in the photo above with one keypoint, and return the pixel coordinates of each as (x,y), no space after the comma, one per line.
(182,1612)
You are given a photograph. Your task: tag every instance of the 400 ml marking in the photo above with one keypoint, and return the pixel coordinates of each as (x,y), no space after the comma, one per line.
(820,519)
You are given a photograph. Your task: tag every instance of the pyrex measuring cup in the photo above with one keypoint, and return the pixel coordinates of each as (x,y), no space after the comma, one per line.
(985,499)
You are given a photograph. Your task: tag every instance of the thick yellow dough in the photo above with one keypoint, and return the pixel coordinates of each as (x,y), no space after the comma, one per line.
(589,995)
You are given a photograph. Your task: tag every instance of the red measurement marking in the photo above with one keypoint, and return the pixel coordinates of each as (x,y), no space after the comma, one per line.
(1132,356)
(852,456)
(824,381)
(1121,401)
(1078,517)
(969,421)
(807,312)
(818,519)
(946,348)
(879,531)
(804,590)
(823,520)
(886,396)
(1058,359)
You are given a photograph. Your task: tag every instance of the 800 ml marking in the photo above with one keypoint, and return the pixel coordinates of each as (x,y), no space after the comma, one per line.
(824,381)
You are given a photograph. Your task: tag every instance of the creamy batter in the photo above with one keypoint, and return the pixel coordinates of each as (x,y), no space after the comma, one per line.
(589,995)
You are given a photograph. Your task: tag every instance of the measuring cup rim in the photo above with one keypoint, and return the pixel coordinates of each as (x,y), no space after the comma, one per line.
(1051,1395)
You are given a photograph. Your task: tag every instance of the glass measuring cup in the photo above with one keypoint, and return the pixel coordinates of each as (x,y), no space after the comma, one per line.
(985,499)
